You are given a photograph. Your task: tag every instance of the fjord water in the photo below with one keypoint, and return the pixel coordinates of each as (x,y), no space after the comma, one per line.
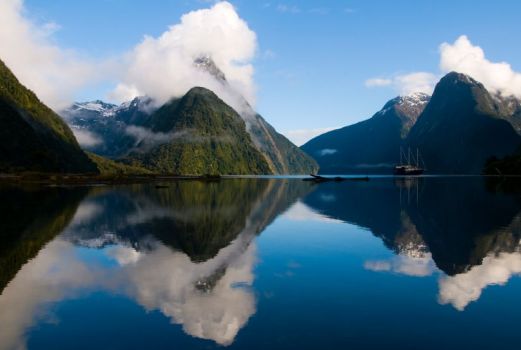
(262,263)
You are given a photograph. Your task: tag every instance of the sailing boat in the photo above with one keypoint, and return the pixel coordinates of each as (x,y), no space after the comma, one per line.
(412,167)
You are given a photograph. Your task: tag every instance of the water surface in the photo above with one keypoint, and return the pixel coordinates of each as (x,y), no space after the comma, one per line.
(262,263)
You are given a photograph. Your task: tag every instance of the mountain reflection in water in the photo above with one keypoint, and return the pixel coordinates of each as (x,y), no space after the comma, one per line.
(467,230)
(189,251)
(186,250)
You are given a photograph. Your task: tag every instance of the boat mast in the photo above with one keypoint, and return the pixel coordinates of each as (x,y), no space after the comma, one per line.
(417,157)
(409,156)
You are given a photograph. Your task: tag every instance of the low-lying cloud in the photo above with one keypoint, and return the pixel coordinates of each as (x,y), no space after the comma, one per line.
(327,152)
(146,138)
(86,138)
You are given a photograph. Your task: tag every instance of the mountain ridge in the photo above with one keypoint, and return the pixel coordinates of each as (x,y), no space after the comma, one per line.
(34,138)
(457,130)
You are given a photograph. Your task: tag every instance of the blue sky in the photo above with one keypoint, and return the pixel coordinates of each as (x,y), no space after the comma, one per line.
(313,58)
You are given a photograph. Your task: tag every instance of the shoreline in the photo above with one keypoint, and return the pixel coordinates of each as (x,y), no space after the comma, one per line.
(122,179)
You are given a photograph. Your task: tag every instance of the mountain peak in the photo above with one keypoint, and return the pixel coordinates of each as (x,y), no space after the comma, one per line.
(140,102)
(105,109)
(408,106)
(456,77)
(205,63)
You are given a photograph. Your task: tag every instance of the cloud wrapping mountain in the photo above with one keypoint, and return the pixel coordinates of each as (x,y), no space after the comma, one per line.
(161,67)
(168,60)
(464,57)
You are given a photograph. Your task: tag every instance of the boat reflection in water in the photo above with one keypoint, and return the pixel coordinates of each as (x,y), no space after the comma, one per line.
(189,253)
(467,232)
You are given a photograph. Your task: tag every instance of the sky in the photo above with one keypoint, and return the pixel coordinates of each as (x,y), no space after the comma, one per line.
(306,66)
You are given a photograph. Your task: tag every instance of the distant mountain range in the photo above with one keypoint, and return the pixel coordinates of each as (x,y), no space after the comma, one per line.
(372,145)
(456,130)
(195,134)
(461,129)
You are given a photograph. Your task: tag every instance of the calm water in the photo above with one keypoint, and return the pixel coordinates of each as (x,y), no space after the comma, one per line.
(262,264)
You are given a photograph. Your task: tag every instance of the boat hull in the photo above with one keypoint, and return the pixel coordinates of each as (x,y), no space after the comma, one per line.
(408,171)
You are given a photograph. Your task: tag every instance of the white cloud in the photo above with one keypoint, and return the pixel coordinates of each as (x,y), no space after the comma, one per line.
(301,136)
(416,82)
(464,57)
(406,84)
(377,82)
(86,138)
(464,288)
(288,8)
(43,280)
(301,212)
(405,265)
(26,47)
(163,67)
(327,151)
(157,279)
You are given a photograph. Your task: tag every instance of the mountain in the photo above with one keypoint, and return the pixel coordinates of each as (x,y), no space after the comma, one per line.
(31,218)
(34,138)
(111,131)
(101,127)
(457,223)
(462,126)
(197,134)
(370,146)
(456,131)
(180,216)
(282,155)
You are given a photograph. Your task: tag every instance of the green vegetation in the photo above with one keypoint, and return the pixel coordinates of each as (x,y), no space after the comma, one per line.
(207,137)
(281,154)
(33,137)
(110,167)
(31,218)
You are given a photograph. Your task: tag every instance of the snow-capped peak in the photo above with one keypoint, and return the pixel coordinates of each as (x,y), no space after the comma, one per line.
(206,63)
(105,109)
(140,102)
(414,99)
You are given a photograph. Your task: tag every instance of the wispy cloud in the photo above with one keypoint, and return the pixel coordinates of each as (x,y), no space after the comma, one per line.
(301,136)
(284,8)
(320,10)
(269,54)
(407,83)
(378,82)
